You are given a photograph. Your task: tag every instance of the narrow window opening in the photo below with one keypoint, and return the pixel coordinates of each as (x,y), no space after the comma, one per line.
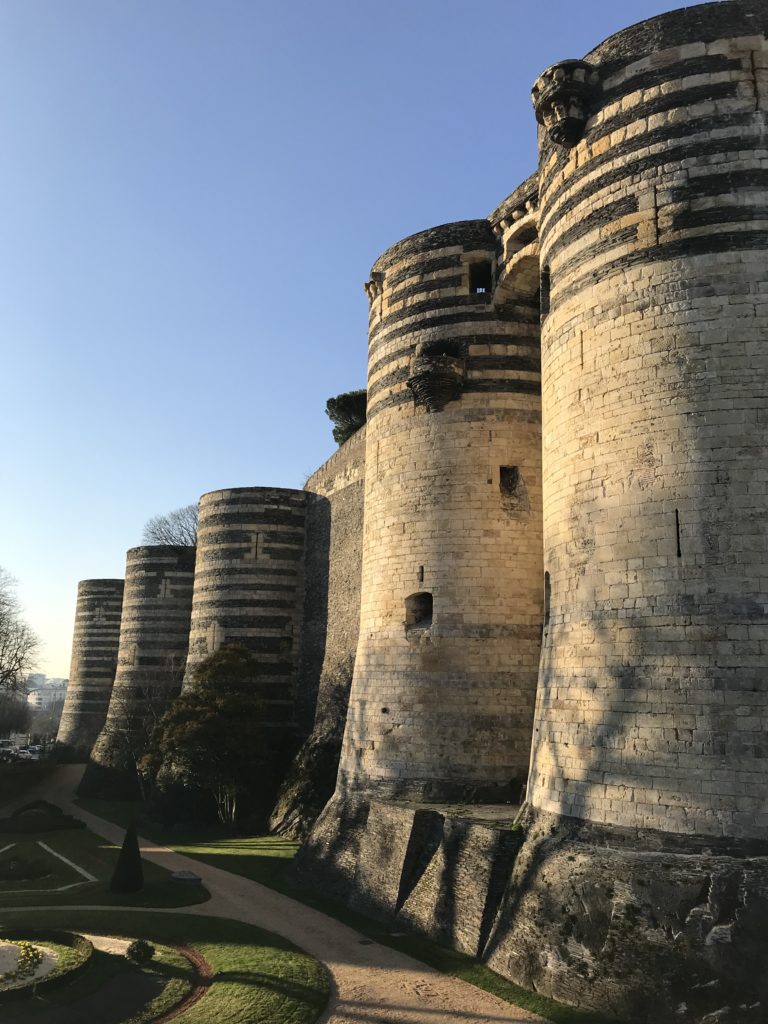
(480,277)
(421,574)
(453,348)
(527,235)
(677,532)
(547,598)
(544,290)
(514,493)
(418,611)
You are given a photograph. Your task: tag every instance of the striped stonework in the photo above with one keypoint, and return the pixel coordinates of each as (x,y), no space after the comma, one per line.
(654,230)
(92,672)
(443,689)
(249,586)
(154,634)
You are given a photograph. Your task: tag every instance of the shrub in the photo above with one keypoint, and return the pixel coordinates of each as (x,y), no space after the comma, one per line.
(140,951)
(128,876)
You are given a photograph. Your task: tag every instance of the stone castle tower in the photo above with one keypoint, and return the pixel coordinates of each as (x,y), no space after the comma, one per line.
(152,652)
(553,750)
(653,234)
(249,586)
(92,671)
(450,625)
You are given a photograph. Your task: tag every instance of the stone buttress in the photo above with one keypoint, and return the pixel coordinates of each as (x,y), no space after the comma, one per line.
(154,634)
(92,672)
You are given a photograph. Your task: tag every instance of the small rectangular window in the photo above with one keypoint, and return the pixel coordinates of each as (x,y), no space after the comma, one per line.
(418,611)
(514,493)
(480,278)
(545,287)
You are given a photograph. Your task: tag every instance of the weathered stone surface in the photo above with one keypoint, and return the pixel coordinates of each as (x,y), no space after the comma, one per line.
(92,672)
(154,634)
(451,598)
(643,926)
(249,588)
(642,881)
(652,703)
(331,621)
(563,97)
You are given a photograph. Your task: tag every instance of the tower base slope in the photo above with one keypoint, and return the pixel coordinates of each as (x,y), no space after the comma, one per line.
(638,926)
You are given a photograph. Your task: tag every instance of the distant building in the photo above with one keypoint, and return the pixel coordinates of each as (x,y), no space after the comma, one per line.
(51,692)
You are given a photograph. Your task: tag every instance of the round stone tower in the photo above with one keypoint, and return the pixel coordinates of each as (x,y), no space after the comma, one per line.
(451,606)
(640,887)
(249,586)
(653,234)
(154,635)
(92,671)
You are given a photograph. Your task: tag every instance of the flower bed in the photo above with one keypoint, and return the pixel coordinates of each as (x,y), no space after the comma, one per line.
(21,962)
(25,977)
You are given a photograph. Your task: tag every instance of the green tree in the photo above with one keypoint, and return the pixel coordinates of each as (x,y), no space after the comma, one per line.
(213,734)
(347,411)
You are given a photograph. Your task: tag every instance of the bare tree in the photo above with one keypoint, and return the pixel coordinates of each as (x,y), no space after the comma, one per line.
(15,713)
(18,642)
(176,527)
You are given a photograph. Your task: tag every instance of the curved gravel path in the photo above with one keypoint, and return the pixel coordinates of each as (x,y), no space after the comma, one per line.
(370,984)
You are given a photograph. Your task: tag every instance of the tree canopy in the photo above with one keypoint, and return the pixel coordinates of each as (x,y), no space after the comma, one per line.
(18,642)
(178,527)
(348,412)
(213,734)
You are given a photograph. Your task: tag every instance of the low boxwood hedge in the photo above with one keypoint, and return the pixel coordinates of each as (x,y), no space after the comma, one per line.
(82,946)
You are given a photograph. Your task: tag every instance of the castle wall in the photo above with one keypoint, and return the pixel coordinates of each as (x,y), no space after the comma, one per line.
(333,559)
(419,867)
(330,627)
(652,703)
(249,587)
(92,671)
(442,697)
(154,635)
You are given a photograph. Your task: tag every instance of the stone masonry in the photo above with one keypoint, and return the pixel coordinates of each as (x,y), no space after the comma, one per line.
(92,672)
(533,592)
(635,878)
(249,587)
(331,619)
(152,653)
(445,675)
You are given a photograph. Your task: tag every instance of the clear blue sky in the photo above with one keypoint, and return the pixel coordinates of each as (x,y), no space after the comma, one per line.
(191,196)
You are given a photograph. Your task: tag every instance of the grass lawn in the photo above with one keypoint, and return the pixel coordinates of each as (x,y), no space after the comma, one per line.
(169,974)
(259,978)
(31,873)
(265,859)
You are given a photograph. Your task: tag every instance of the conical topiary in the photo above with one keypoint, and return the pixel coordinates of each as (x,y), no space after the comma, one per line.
(128,876)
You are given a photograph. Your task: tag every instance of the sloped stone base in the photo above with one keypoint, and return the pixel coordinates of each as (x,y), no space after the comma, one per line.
(641,926)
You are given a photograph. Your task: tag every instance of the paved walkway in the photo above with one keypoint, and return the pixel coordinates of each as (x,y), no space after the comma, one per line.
(371,984)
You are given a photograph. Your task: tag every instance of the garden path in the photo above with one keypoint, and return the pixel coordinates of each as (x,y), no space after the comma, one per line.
(371,984)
